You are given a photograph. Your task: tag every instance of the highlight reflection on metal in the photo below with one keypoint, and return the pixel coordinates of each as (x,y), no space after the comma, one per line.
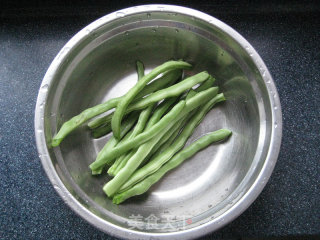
(213,187)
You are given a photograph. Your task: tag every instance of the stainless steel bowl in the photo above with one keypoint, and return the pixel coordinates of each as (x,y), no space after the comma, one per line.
(210,189)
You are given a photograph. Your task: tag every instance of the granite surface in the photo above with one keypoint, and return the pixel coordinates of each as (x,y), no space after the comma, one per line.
(288,42)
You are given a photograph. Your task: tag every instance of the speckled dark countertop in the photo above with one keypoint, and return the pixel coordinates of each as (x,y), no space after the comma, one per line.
(286,37)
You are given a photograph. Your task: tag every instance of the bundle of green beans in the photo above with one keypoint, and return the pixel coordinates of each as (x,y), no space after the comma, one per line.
(151,124)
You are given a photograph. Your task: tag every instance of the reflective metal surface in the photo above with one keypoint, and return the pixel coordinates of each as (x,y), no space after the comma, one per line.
(207,191)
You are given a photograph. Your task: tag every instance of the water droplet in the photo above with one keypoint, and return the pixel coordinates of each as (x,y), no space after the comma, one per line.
(126,33)
(44,88)
(250,54)
(120,14)
(275,107)
(264,74)
(39,131)
(209,206)
(52,114)
(88,31)
(154,30)
(247,48)
(148,15)
(41,105)
(275,124)
(177,30)
(227,189)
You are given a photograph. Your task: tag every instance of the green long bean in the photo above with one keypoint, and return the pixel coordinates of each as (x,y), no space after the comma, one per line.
(166,80)
(174,90)
(143,118)
(111,187)
(169,119)
(164,140)
(112,142)
(101,131)
(78,120)
(92,112)
(206,84)
(107,157)
(163,157)
(168,138)
(158,113)
(120,163)
(129,96)
(140,69)
(179,158)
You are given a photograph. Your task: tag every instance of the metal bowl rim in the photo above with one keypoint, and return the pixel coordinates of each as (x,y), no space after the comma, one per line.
(112,229)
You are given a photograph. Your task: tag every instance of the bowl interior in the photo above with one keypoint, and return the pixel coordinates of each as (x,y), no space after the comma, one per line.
(102,66)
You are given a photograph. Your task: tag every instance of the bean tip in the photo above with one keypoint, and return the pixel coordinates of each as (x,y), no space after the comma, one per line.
(56,142)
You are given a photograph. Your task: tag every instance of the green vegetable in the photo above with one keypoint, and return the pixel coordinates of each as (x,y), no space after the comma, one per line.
(111,187)
(76,121)
(181,140)
(106,128)
(130,95)
(169,119)
(134,162)
(167,139)
(160,110)
(143,118)
(106,157)
(184,154)
(92,112)
(207,84)
(101,131)
(174,90)
(120,163)
(158,113)
(128,124)
(140,69)
(166,80)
